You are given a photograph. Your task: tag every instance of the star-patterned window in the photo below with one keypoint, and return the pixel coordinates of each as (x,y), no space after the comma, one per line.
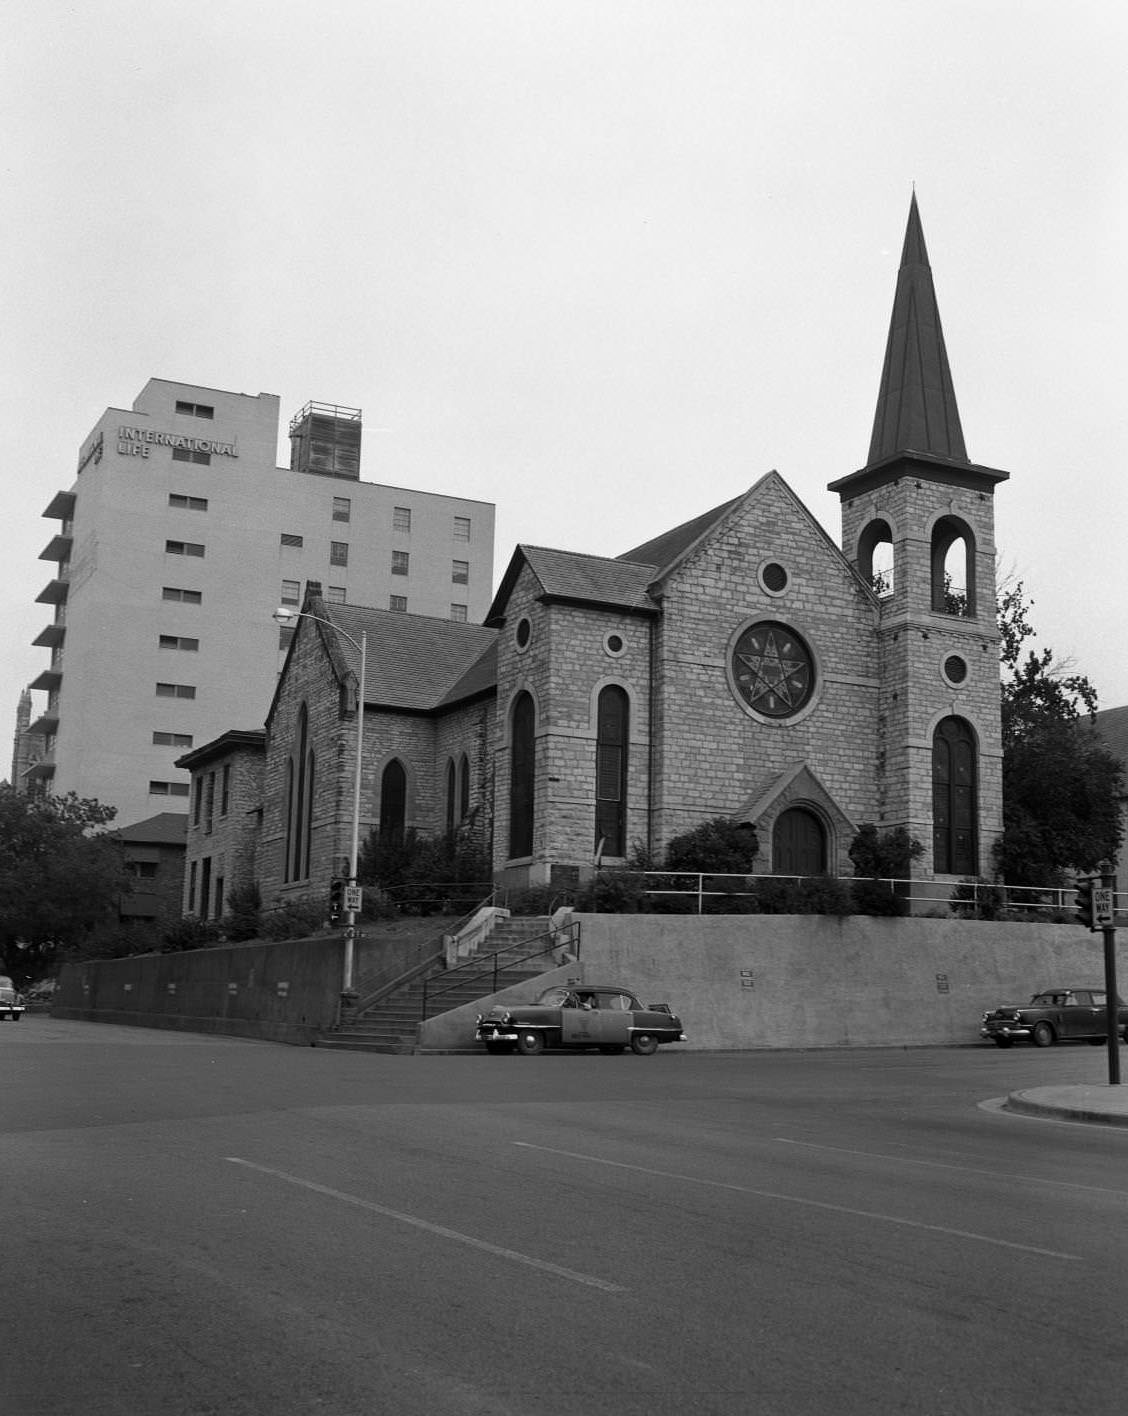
(773,671)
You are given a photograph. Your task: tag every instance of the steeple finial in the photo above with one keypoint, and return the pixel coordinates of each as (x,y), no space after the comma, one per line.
(916,404)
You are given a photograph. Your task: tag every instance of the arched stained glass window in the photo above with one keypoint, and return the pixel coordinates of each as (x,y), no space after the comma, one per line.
(393,801)
(955,847)
(612,741)
(522,780)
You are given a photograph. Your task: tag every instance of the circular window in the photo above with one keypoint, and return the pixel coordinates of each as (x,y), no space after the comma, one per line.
(955,669)
(774,577)
(772,670)
(614,644)
(523,633)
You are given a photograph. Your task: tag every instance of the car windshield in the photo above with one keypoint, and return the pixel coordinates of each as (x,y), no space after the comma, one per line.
(553,998)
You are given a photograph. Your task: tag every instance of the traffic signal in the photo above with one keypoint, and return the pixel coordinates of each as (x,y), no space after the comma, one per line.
(336,899)
(1084,903)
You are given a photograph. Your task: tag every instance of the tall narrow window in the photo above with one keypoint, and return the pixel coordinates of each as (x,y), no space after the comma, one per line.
(225,794)
(338,553)
(401,518)
(522,780)
(451,785)
(464,788)
(299,803)
(612,730)
(955,847)
(393,802)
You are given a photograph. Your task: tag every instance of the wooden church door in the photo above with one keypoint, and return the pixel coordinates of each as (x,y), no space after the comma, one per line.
(798,844)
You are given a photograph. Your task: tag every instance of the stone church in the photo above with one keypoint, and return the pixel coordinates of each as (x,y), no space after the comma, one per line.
(740,665)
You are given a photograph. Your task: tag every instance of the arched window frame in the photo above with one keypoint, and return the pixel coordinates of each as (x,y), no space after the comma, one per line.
(612,754)
(955,798)
(522,774)
(948,531)
(875,533)
(393,801)
(299,801)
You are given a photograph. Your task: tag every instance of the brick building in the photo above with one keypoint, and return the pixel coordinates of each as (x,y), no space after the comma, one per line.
(740,665)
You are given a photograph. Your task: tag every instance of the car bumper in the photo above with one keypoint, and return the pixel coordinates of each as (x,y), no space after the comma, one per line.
(1009,1032)
(500,1034)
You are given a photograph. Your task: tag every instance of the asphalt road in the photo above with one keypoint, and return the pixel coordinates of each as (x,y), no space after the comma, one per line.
(206,1225)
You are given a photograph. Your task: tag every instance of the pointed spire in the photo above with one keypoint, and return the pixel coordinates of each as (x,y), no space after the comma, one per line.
(916,405)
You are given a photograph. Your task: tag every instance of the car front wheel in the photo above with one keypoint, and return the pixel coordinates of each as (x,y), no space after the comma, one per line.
(644,1044)
(530,1043)
(1043,1035)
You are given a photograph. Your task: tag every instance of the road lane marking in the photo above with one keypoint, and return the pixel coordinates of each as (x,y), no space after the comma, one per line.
(589,1280)
(810,1204)
(1008,1176)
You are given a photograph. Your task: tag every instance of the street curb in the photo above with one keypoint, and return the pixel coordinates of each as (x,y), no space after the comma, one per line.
(1027,1105)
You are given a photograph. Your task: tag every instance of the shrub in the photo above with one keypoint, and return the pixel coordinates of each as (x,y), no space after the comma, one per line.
(295,919)
(979,899)
(880,857)
(244,904)
(721,846)
(189,933)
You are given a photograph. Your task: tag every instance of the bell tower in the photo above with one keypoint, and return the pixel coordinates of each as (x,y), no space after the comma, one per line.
(918,523)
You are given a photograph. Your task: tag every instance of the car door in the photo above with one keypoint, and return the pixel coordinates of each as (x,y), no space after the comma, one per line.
(1078,1016)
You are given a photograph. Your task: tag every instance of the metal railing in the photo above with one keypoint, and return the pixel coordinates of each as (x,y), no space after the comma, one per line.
(489,967)
(960,897)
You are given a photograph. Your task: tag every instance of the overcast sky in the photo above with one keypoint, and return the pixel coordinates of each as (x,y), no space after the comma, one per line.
(601,262)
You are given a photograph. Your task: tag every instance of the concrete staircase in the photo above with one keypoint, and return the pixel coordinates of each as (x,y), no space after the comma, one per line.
(391,1023)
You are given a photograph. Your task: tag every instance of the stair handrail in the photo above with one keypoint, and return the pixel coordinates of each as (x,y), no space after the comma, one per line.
(560,936)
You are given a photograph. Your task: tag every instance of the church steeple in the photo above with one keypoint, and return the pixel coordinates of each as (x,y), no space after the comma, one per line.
(916,404)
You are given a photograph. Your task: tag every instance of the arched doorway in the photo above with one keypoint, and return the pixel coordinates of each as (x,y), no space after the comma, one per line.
(798,843)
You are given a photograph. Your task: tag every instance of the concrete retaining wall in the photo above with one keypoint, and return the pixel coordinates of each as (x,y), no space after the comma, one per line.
(752,981)
(737,982)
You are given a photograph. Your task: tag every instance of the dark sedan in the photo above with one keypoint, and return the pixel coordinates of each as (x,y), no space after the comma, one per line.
(1056,1014)
(604,1016)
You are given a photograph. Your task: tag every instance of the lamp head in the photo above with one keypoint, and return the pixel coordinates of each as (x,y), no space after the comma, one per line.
(285,616)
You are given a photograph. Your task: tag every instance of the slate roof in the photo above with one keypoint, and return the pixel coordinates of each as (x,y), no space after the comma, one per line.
(1111,726)
(415,663)
(663,550)
(167,828)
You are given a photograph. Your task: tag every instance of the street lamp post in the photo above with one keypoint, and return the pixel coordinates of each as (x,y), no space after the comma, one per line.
(284,615)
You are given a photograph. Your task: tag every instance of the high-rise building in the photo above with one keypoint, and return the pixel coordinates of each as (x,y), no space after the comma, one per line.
(176,542)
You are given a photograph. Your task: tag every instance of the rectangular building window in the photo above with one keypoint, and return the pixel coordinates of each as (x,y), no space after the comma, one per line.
(400,562)
(291,592)
(458,612)
(336,595)
(397,602)
(205,886)
(186,503)
(188,454)
(342,509)
(289,539)
(462,528)
(285,634)
(178,641)
(195,410)
(168,789)
(176,690)
(172,739)
(183,548)
(401,518)
(338,553)
(192,888)
(209,804)
(225,794)
(460,572)
(186,597)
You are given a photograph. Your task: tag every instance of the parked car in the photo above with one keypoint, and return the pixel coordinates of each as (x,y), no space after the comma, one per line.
(588,1015)
(1052,1015)
(11,1004)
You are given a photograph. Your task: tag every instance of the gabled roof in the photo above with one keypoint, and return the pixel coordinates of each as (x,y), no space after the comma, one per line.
(916,403)
(414,662)
(580,579)
(253,738)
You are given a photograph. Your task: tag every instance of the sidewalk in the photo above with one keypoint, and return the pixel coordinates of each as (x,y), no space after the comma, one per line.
(1107,1105)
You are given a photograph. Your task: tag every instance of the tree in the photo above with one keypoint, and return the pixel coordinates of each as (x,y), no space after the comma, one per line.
(61,877)
(1061,787)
